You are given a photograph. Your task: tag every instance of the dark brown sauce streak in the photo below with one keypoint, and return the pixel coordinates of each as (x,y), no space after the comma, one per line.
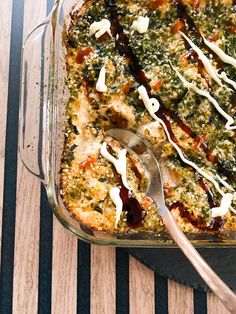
(218,222)
(183,15)
(208,191)
(135,212)
(124,49)
(197,221)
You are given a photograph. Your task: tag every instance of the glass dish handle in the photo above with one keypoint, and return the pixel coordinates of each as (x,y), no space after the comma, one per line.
(34,101)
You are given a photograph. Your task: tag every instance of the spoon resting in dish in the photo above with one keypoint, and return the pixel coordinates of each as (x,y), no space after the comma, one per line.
(155,190)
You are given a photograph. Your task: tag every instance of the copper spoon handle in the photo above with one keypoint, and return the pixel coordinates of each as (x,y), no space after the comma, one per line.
(223,292)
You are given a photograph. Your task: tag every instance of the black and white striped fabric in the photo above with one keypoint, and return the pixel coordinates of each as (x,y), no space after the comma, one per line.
(37,235)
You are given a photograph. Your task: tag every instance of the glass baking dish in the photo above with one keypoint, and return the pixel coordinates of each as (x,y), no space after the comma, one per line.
(42,123)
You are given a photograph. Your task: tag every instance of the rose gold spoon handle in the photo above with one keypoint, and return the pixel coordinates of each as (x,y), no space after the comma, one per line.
(155,191)
(227,297)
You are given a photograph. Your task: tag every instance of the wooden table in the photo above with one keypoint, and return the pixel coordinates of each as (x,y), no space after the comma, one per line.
(44,269)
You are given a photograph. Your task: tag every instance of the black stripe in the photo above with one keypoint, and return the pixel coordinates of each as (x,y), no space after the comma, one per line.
(200,302)
(9,195)
(45,244)
(161,294)
(83,278)
(45,256)
(122,281)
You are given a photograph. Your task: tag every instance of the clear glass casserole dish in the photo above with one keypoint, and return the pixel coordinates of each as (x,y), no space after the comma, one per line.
(42,124)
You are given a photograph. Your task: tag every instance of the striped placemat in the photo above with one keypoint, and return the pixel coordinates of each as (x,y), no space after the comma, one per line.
(44,269)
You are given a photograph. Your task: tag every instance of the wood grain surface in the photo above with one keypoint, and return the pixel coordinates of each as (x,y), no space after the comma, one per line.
(141,288)
(180,299)
(5,27)
(103,280)
(25,285)
(64,272)
(214,305)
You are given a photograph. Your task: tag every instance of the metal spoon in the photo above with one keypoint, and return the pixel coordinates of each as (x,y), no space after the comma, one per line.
(155,191)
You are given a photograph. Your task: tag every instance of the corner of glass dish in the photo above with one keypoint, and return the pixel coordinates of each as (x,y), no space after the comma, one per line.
(43,125)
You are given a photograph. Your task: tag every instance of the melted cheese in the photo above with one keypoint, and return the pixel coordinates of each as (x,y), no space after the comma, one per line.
(212,100)
(101,83)
(206,62)
(152,110)
(115,196)
(119,164)
(224,206)
(224,77)
(141,24)
(220,53)
(100,28)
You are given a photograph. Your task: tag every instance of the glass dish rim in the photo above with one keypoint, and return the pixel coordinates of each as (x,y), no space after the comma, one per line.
(50,185)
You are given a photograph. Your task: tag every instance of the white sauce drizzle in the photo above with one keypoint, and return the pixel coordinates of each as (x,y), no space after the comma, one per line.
(224,183)
(224,206)
(100,28)
(224,77)
(152,107)
(119,164)
(206,62)
(220,53)
(141,24)
(115,196)
(101,83)
(233,210)
(152,110)
(203,93)
(152,104)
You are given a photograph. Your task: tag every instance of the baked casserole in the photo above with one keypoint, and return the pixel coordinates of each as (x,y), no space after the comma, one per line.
(167,71)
